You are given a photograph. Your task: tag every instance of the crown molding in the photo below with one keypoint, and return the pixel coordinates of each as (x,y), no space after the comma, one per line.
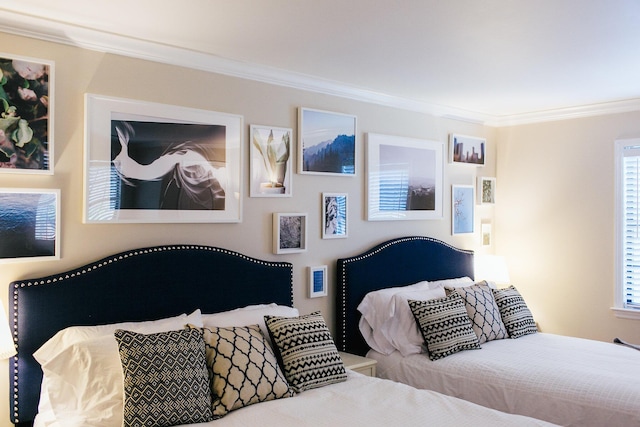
(86,38)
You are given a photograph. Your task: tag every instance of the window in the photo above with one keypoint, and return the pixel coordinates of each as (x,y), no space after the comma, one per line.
(627,169)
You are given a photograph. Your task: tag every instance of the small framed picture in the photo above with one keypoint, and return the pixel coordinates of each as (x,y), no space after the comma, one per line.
(270,166)
(462,209)
(485,229)
(486,190)
(289,233)
(334,215)
(318,281)
(467,150)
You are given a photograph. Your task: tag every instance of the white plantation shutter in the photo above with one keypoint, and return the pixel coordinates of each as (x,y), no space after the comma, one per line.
(628,224)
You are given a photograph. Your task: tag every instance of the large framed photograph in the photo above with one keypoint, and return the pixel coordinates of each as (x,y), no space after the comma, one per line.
(486,190)
(156,163)
(404,178)
(29,224)
(462,209)
(327,143)
(467,150)
(318,281)
(289,233)
(334,215)
(270,167)
(26,115)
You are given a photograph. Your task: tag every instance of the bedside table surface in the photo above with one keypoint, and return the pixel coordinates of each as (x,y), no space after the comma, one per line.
(353,361)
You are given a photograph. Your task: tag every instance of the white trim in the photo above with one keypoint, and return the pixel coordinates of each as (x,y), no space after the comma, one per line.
(101,41)
(625,313)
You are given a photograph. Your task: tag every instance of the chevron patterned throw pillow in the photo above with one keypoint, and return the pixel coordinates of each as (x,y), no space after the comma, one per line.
(516,315)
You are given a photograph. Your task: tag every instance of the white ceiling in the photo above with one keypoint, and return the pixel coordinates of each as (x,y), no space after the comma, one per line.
(491,61)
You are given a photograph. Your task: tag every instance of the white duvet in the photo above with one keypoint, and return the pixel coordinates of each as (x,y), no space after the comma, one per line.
(564,380)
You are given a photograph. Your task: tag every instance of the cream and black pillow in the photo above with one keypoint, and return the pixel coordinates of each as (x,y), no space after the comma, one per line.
(516,315)
(482,310)
(243,368)
(445,325)
(306,350)
(166,381)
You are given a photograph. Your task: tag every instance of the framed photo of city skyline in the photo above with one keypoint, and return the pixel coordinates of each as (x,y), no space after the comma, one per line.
(467,150)
(404,178)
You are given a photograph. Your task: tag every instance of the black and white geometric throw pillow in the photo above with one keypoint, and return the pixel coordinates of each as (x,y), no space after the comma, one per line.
(516,315)
(243,367)
(166,381)
(445,325)
(483,311)
(306,351)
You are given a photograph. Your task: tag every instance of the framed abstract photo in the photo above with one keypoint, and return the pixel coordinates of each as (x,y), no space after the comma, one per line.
(404,178)
(26,115)
(327,143)
(289,233)
(334,215)
(486,190)
(156,163)
(270,167)
(29,224)
(462,209)
(467,150)
(318,281)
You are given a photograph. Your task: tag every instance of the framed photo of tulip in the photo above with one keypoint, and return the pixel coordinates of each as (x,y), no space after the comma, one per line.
(26,115)
(270,161)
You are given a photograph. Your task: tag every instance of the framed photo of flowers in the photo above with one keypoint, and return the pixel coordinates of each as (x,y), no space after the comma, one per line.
(26,115)
(462,209)
(270,168)
(289,233)
(327,143)
(29,224)
(155,163)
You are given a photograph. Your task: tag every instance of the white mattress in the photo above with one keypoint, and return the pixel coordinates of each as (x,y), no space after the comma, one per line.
(564,380)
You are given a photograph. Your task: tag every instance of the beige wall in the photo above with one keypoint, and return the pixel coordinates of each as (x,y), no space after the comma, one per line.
(79,71)
(555,221)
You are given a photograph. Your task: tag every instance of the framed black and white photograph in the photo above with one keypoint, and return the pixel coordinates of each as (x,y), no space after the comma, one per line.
(404,178)
(486,190)
(327,143)
(26,115)
(270,167)
(462,209)
(289,233)
(29,224)
(467,150)
(334,215)
(318,281)
(157,163)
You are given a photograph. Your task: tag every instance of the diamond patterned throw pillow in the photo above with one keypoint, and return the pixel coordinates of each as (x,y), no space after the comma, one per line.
(483,311)
(166,382)
(445,325)
(515,314)
(306,350)
(243,367)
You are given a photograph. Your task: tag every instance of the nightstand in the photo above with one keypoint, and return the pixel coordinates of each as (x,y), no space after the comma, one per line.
(360,364)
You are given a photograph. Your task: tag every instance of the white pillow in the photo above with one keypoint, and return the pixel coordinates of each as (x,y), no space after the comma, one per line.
(249,315)
(83,373)
(378,311)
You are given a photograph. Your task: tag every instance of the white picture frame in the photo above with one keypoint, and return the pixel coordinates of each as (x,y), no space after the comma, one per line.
(318,281)
(270,167)
(163,143)
(486,234)
(289,233)
(462,209)
(335,215)
(486,190)
(467,150)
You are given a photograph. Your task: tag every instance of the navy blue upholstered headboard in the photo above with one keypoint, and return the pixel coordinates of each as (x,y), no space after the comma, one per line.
(398,262)
(142,284)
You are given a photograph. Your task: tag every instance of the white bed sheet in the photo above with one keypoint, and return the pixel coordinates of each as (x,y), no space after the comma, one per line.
(564,380)
(363,401)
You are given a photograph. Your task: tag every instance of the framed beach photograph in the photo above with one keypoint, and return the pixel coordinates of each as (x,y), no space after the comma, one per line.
(467,150)
(270,168)
(486,190)
(334,215)
(29,224)
(462,209)
(404,178)
(157,163)
(26,115)
(289,233)
(327,143)
(318,281)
